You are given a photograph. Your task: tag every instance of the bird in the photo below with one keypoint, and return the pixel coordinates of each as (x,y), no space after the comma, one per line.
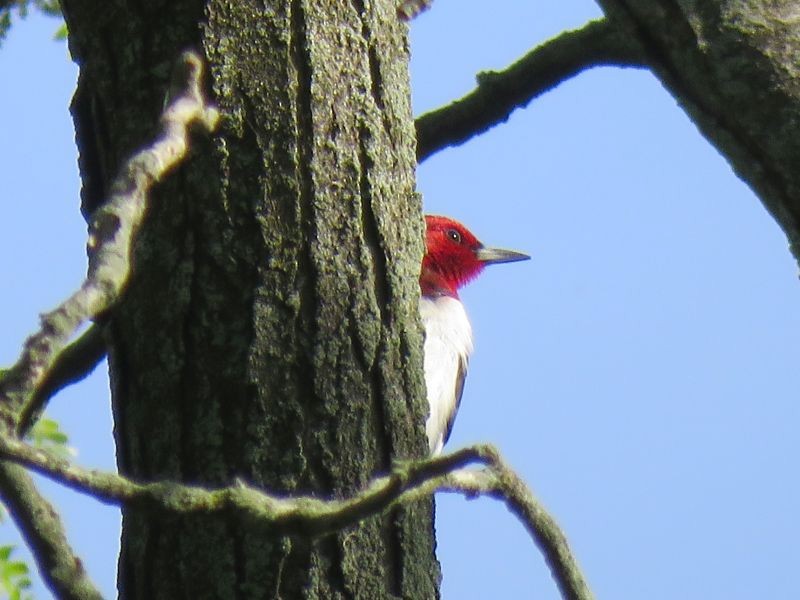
(453,258)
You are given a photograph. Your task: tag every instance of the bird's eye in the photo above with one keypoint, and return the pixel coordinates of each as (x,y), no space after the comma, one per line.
(454,235)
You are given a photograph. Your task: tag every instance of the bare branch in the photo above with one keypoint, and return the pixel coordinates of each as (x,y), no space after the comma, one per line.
(299,514)
(500,92)
(502,483)
(41,527)
(112,229)
(72,364)
(408,481)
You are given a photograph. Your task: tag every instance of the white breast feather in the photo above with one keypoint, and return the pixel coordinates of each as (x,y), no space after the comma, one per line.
(448,344)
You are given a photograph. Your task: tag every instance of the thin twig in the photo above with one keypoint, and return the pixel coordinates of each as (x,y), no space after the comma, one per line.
(499,93)
(502,483)
(112,229)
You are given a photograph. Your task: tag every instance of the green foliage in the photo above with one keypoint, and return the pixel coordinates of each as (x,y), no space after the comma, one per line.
(14,576)
(47,435)
(21,8)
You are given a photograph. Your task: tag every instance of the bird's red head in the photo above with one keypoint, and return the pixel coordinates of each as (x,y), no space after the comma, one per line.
(454,256)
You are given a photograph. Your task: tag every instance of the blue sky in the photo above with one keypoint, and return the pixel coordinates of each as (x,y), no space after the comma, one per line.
(640,372)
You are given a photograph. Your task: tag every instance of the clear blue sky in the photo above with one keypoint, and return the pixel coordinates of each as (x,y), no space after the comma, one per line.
(640,372)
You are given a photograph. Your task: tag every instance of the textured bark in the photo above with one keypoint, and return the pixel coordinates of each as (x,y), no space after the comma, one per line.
(270,330)
(733,66)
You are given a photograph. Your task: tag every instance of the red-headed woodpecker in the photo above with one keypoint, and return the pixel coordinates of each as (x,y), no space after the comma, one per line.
(453,257)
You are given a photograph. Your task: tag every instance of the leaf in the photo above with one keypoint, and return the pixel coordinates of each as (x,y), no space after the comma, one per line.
(61,33)
(16,569)
(13,575)
(47,435)
(21,9)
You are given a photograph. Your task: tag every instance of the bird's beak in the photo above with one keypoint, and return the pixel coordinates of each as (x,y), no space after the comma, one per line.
(491,256)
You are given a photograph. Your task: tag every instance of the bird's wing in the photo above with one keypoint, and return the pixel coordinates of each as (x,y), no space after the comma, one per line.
(461,375)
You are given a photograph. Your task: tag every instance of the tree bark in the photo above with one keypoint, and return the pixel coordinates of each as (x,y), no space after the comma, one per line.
(733,67)
(270,329)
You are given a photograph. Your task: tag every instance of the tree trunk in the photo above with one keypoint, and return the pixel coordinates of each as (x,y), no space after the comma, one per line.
(734,68)
(270,329)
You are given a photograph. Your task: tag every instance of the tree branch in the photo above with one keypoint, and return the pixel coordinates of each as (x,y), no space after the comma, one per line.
(111,232)
(72,364)
(502,483)
(500,92)
(290,514)
(307,515)
(42,530)
(733,68)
